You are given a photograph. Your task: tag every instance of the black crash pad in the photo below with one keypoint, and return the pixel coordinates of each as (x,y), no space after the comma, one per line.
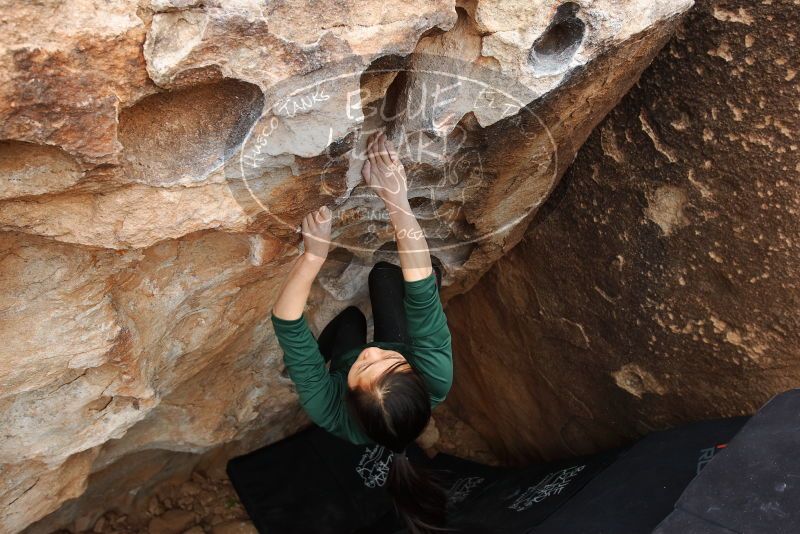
(485,499)
(311,482)
(753,486)
(314,482)
(640,488)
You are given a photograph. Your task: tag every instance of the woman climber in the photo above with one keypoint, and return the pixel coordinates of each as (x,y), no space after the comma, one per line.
(380,392)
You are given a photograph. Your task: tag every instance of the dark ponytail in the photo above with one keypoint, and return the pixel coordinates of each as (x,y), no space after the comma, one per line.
(393,413)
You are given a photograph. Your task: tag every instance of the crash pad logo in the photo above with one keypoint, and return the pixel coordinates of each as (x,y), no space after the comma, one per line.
(552,484)
(706,455)
(463,488)
(374,466)
(454,126)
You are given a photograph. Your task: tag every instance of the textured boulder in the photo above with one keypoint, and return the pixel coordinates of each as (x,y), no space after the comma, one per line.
(156,158)
(659,284)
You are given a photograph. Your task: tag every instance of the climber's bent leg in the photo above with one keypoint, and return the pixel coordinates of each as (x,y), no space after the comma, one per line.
(386,293)
(345,332)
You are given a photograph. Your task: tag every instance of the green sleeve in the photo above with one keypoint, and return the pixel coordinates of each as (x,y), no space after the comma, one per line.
(432,354)
(321,394)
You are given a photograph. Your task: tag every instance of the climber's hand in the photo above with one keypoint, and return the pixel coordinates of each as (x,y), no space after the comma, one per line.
(384,173)
(293,296)
(316,230)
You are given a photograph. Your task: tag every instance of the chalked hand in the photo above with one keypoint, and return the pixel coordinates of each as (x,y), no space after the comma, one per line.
(316,229)
(384,173)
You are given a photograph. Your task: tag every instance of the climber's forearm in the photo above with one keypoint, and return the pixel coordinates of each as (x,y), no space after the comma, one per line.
(294,293)
(415,259)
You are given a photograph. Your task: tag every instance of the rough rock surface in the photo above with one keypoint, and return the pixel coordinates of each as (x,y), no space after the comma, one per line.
(155,160)
(659,283)
(202,503)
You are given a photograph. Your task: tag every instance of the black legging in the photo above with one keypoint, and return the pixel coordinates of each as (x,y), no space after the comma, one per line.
(348,330)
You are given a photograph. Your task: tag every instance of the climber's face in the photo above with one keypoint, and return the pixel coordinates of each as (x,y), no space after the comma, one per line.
(371,364)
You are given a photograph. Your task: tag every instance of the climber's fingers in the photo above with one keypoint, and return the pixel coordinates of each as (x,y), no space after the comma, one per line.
(365,172)
(316,228)
(392,152)
(314,220)
(309,223)
(376,154)
(370,151)
(322,215)
(383,150)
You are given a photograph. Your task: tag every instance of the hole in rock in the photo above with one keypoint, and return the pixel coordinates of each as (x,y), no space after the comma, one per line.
(554,49)
(341,276)
(387,251)
(418,203)
(181,136)
(381,84)
(389,247)
(339,258)
(451,254)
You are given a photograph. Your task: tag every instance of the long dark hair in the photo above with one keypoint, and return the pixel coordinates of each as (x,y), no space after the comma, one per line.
(393,412)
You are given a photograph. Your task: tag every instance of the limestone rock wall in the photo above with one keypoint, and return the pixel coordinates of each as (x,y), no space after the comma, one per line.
(659,284)
(156,157)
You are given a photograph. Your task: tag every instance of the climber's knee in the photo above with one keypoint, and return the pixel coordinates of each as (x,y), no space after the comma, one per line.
(383,268)
(353,313)
(384,265)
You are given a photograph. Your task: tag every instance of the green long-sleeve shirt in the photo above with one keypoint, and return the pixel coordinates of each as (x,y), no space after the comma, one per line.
(322,391)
